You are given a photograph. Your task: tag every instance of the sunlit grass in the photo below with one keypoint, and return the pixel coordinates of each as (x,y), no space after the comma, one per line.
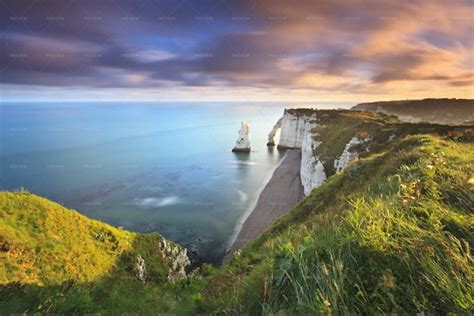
(393,233)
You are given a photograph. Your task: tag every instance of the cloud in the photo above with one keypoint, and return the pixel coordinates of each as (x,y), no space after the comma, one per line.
(349,47)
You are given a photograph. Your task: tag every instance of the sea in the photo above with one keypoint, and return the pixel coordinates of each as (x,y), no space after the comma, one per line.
(146,167)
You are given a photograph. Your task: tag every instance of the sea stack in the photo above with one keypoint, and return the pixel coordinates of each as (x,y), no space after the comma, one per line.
(243,141)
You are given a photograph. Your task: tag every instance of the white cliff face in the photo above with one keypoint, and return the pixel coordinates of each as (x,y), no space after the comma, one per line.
(293,128)
(347,156)
(296,132)
(271,135)
(312,172)
(243,141)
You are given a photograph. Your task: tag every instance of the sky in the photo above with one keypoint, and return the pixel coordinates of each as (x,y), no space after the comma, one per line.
(242,50)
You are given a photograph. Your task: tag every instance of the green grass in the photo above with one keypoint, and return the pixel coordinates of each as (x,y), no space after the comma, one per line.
(391,234)
(55,260)
(335,128)
(49,244)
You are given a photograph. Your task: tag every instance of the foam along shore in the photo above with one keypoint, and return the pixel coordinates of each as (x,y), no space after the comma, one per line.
(279,195)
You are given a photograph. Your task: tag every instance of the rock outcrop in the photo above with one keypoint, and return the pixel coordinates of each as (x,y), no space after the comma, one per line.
(271,135)
(140,268)
(243,141)
(349,155)
(177,260)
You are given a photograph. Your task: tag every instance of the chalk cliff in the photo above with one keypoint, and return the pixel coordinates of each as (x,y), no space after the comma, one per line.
(312,172)
(347,155)
(271,135)
(243,141)
(293,127)
(296,132)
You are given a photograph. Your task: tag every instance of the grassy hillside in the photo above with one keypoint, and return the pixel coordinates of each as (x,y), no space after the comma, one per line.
(393,233)
(54,259)
(442,111)
(335,128)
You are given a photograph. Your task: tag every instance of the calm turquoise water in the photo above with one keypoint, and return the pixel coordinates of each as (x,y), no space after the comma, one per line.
(163,167)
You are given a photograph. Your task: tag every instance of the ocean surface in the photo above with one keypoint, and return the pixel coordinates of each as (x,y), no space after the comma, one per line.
(165,167)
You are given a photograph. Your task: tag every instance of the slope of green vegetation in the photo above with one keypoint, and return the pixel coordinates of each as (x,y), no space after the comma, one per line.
(335,128)
(54,259)
(391,234)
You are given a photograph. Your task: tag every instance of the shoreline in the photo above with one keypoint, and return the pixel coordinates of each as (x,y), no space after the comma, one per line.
(282,191)
(251,208)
